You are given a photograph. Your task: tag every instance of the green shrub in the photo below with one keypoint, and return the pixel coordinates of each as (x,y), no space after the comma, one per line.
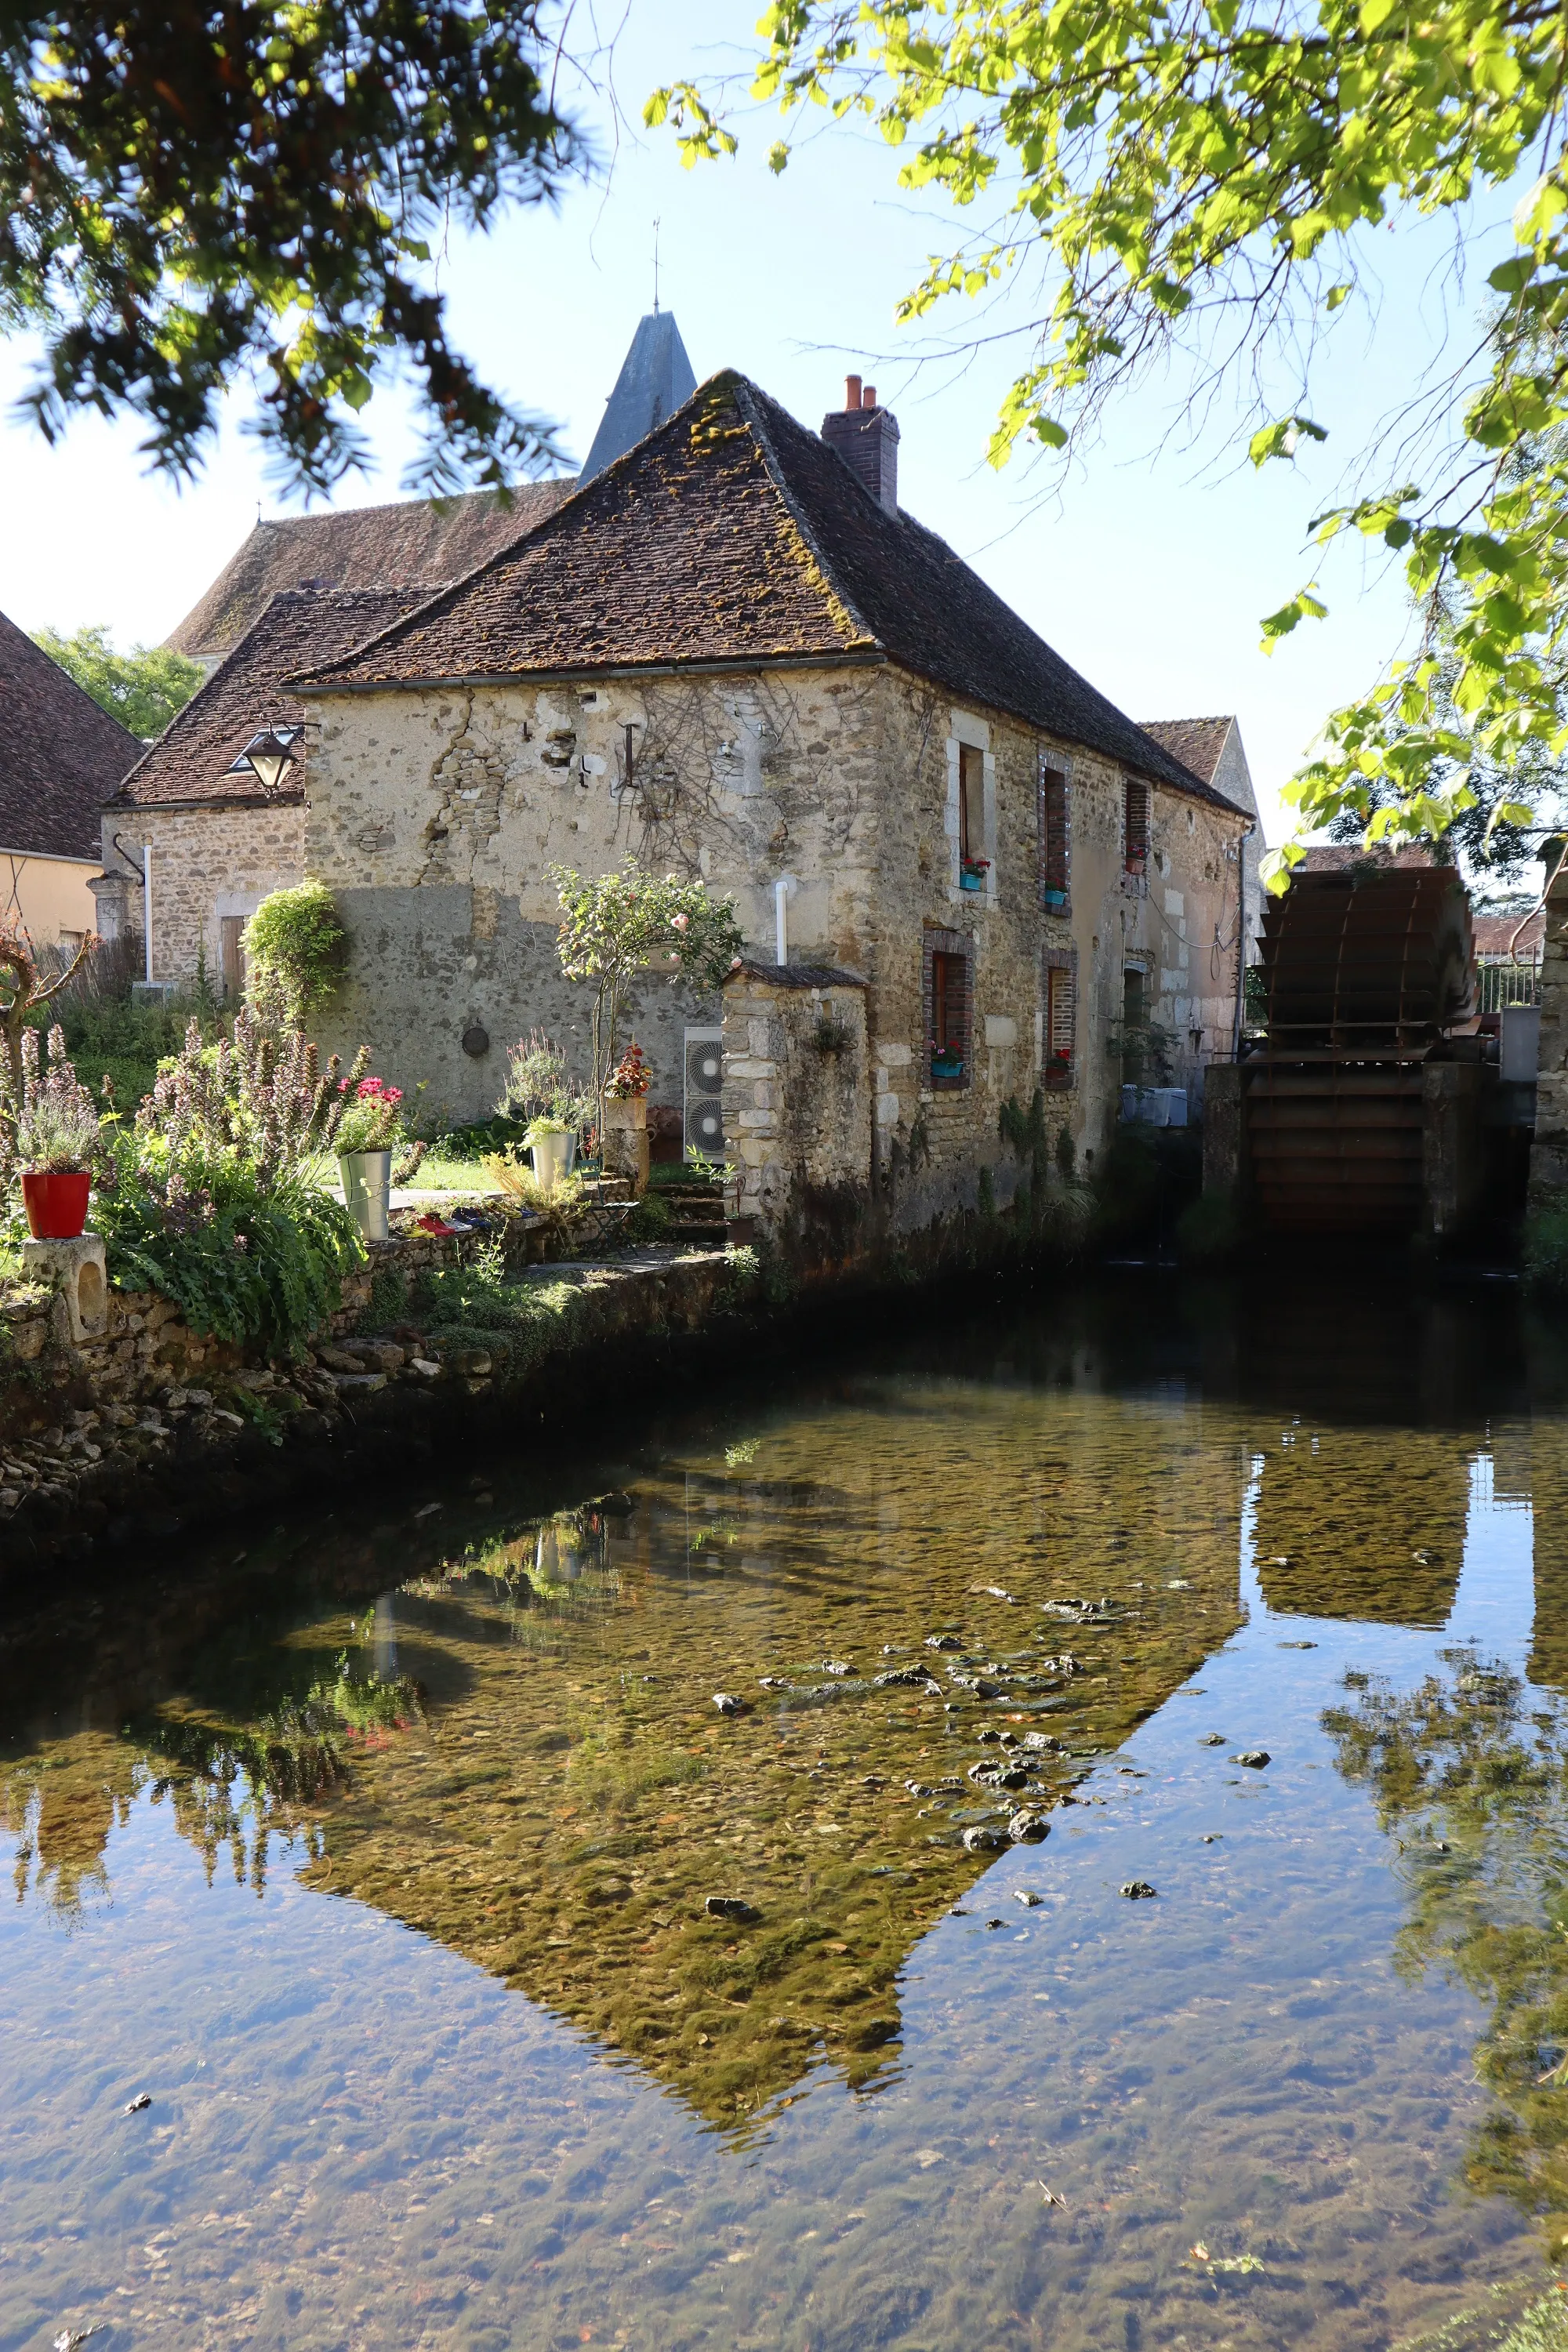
(297,937)
(259,1269)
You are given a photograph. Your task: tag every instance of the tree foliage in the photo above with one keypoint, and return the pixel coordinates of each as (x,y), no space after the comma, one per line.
(614,927)
(1198,176)
(143,689)
(216,190)
(1470,1774)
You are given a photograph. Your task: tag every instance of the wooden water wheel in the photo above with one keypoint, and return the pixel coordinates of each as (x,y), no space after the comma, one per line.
(1368,961)
(1365,972)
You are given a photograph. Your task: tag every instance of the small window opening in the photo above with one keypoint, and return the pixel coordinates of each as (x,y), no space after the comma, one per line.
(972,813)
(948,1019)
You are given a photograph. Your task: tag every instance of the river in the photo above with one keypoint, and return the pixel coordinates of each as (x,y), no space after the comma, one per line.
(409,1949)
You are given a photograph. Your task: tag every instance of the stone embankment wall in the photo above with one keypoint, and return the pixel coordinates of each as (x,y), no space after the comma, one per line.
(153,1429)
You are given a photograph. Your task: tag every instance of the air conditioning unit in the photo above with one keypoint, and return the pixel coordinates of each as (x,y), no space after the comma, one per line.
(704,1121)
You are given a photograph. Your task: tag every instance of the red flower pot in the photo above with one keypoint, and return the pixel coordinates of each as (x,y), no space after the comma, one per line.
(55,1205)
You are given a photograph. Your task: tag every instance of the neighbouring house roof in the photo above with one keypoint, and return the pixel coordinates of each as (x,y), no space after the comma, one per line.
(1339,857)
(1195,743)
(1495,934)
(187,766)
(734,535)
(655,379)
(429,539)
(60,754)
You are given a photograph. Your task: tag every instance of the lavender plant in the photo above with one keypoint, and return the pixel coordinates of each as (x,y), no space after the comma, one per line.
(219,1205)
(55,1128)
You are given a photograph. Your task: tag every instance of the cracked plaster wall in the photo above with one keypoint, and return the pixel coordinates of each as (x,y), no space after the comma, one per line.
(435,815)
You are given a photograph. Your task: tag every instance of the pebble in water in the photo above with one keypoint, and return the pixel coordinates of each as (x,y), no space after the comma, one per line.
(1255,1758)
(1137,1890)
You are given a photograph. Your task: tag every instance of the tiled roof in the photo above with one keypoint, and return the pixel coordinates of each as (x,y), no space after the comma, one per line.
(1339,857)
(432,540)
(250,691)
(1496,933)
(1196,743)
(60,754)
(732,534)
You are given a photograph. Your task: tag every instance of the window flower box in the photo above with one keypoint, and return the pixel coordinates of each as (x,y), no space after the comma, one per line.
(1055,901)
(1058,1073)
(945,1064)
(971,873)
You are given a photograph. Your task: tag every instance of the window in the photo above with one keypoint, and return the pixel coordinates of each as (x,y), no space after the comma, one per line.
(231,937)
(1134,1024)
(1135,825)
(949,996)
(1061,1018)
(1055,861)
(971,803)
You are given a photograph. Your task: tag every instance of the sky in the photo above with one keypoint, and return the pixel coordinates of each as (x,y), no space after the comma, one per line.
(1149,566)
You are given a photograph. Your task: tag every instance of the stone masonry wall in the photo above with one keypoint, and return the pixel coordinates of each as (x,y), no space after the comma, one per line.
(436,814)
(206,863)
(797,1105)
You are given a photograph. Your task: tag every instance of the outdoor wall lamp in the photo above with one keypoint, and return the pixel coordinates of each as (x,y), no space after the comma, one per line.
(267,755)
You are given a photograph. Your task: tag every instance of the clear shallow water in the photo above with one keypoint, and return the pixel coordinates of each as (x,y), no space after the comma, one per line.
(377,1855)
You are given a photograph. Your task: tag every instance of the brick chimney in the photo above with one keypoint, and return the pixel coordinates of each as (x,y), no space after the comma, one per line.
(866,438)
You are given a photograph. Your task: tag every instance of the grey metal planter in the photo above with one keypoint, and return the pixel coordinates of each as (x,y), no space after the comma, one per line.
(552,1158)
(367,1189)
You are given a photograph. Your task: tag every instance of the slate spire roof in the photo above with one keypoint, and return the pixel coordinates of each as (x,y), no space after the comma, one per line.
(60,754)
(734,536)
(655,379)
(187,766)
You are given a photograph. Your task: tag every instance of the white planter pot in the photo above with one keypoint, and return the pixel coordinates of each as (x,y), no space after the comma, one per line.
(553,1156)
(367,1189)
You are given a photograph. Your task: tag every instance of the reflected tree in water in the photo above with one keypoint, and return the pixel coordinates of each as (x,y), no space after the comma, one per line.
(1469,1772)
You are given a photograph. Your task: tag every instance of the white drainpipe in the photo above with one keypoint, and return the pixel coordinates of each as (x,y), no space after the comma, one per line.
(783,890)
(147,904)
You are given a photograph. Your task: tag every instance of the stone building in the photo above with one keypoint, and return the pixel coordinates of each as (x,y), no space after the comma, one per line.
(1214,750)
(302,590)
(732,654)
(60,756)
(220,834)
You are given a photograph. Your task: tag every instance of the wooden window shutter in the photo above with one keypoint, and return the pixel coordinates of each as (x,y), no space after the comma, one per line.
(1135,825)
(1061,1016)
(1056,844)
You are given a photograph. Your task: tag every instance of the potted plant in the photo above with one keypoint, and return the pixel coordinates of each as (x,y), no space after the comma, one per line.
(624,1145)
(1058,1071)
(971,873)
(946,1062)
(369,1131)
(56,1142)
(553,1146)
(1054,900)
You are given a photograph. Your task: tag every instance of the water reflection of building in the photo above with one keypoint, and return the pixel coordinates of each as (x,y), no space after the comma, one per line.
(579,1799)
(1362,1522)
(566,1797)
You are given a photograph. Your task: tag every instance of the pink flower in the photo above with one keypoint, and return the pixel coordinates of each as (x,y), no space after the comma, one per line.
(680,922)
